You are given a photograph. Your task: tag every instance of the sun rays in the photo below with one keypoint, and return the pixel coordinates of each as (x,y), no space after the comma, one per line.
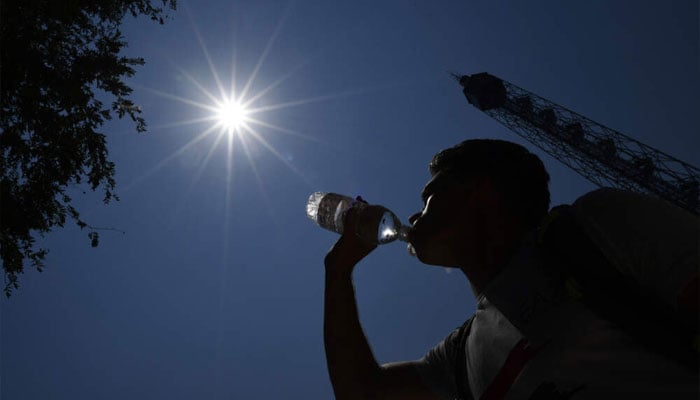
(226,111)
(232,117)
(239,110)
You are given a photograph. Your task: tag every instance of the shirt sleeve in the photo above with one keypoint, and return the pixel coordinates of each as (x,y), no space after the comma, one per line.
(648,239)
(437,367)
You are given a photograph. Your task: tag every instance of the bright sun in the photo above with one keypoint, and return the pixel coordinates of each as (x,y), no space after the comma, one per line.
(231,115)
(232,112)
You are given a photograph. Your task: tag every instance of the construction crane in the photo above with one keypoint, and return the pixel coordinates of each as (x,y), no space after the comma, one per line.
(602,155)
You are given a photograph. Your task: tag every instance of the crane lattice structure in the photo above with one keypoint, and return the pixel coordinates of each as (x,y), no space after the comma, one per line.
(602,155)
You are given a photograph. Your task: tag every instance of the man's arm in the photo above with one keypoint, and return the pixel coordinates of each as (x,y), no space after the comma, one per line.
(354,372)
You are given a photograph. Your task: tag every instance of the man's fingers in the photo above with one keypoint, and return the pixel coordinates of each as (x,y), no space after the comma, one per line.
(348,251)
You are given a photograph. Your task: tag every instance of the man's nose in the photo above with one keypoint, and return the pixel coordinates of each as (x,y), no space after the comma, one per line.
(412,219)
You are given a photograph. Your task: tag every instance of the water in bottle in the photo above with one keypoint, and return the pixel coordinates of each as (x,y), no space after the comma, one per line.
(376,225)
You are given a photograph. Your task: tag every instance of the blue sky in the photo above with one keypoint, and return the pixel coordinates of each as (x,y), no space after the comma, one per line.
(215,289)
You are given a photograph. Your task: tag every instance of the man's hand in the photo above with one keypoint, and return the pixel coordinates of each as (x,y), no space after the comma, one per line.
(351,248)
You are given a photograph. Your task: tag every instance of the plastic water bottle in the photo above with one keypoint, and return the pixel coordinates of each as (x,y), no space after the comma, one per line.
(375,225)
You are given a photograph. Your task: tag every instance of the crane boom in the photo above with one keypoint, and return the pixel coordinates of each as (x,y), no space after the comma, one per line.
(600,154)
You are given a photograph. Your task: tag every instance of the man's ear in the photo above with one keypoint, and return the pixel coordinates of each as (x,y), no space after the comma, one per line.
(493,207)
(486,192)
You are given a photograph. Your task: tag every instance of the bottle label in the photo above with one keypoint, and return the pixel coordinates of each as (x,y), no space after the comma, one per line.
(332,210)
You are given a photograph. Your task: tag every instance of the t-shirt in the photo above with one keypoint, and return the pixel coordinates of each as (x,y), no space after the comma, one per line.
(528,342)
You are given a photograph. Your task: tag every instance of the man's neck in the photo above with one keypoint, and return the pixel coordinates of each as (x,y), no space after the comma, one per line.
(495,257)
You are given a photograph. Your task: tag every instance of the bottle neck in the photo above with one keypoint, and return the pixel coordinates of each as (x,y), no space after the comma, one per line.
(403,232)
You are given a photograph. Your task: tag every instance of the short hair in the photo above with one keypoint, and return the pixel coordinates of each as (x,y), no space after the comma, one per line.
(517,173)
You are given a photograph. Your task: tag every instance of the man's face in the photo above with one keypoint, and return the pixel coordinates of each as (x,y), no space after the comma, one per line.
(442,229)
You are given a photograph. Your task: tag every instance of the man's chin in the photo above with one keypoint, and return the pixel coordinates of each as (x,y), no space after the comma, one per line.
(427,259)
(421,255)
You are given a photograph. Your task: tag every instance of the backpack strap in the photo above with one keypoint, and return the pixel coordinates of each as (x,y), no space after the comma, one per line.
(461,377)
(593,280)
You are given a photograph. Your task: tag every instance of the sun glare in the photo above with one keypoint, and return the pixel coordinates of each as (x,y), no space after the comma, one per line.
(231,115)
(234,112)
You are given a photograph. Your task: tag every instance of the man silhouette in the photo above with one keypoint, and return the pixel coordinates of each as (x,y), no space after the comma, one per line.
(481,209)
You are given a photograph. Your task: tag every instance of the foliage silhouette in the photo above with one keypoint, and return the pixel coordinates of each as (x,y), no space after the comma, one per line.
(56,59)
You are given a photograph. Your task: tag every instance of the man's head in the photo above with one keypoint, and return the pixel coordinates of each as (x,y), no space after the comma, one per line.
(482,192)
(518,174)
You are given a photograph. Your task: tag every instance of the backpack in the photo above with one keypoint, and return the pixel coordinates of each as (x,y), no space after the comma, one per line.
(591,279)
